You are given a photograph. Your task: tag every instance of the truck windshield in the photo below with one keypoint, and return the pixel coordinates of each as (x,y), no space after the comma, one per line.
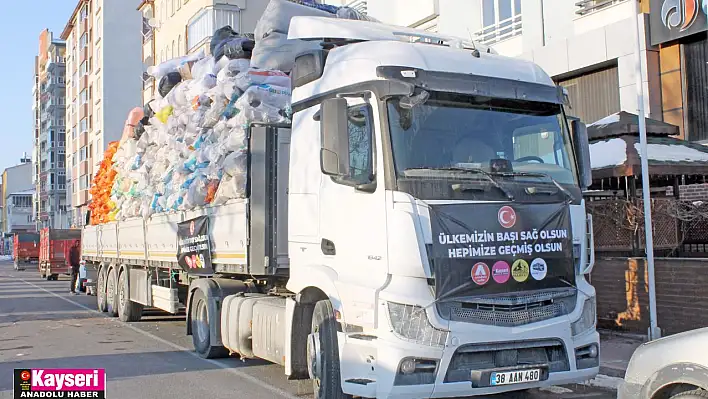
(447,134)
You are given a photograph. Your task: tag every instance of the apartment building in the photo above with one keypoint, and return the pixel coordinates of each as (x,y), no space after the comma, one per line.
(173,28)
(49,153)
(587,46)
(18,196)
(104,73)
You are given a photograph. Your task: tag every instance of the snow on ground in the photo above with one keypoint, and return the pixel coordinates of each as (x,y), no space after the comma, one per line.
(608,153)
(668,152)
(614,118)
(556,390)
(603,381)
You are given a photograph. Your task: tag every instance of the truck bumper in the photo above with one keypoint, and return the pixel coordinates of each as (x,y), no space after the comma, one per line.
(453,366)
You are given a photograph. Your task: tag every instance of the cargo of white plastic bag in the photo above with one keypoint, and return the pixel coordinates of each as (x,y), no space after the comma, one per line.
(276,18)
(254,77)
(260,112)
(353,14)
(232,69)
(278,97)
(173,65)
(230,187)
(235,163)
(203,67)
(275,51)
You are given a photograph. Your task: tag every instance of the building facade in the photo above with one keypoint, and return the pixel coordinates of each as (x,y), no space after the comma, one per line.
(18,197)
(586,46)
(173,28)
(678,30)
(104,79)
(49,154)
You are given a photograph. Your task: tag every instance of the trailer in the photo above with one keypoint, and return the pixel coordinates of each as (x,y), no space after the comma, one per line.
(25,249)
(375,254)
(54,248)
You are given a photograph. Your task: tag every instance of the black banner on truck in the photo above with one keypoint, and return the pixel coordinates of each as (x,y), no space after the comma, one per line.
(481,249)
(194,246)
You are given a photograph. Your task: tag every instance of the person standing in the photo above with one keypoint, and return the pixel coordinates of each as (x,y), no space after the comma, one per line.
(75,263)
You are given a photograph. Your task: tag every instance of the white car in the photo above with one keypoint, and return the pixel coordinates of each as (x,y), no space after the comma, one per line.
(673,367)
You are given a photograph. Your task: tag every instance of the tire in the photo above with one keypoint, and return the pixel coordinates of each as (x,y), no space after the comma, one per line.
(101,301)
(49,277)
(112,293)
(697,394)
(323,353)
(128,311)
(200,323)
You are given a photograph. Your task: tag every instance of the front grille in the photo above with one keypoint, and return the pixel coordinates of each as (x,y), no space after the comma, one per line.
(477,357)
(510,310)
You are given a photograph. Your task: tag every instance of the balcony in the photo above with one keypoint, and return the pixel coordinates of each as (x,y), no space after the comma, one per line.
(503,30)
(201,27)
(586,7)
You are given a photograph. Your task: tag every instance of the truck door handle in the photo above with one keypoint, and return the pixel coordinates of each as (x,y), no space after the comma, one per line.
(328,247)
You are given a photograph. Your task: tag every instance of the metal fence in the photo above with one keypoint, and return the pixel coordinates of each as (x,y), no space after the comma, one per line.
(680,227)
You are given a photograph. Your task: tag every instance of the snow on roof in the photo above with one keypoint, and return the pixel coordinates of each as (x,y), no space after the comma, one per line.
(608,153)
(614,118)
(675,153)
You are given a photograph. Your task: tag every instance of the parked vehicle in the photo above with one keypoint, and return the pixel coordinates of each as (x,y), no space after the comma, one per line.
(376,254)
(54,251)
(25,249)
(672,367)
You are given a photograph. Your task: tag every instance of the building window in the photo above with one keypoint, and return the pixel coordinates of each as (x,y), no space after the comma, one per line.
(83,69)
(83,125)
(172,7)
(84,12)
(174,49)
(589,6)
(83,96)
(22,201)
(98,58)
(180,46)
(84,41)
(501,20)
(179,4)
(99,28)
(203,25)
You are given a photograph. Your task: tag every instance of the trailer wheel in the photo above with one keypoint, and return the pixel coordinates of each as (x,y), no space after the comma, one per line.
(101,291)
(199,312)
(111,294)
(128,310)
(323,353)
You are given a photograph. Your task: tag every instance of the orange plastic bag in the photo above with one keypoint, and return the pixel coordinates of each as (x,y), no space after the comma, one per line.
(101,205)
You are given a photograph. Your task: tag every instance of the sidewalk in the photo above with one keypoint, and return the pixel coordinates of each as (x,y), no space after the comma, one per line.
(615,351)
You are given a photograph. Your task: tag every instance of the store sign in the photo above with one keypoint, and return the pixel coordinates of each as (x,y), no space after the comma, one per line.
(674,19)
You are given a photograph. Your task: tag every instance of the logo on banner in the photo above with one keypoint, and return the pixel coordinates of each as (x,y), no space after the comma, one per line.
(506,217)
(480,273)
(539,269)
(520,270)
(191,228)
(501,272)
(60,383)
(681,14)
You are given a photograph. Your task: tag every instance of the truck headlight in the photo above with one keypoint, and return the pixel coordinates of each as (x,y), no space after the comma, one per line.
(411,323)
(587,319)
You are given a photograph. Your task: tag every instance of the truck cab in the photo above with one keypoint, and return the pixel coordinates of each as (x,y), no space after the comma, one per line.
(422,169)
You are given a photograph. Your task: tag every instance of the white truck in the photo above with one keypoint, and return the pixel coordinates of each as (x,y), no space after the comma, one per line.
(418,231)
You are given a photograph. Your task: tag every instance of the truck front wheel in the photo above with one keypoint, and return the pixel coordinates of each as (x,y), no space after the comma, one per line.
(127,310)
(201,336)
(323,353)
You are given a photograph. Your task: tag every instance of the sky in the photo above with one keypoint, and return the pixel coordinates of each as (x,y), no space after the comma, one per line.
(22,23)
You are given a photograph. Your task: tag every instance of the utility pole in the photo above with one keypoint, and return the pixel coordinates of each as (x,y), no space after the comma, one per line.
(654,331)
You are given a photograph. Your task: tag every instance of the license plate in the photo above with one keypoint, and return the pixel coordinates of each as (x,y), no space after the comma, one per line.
(515,377)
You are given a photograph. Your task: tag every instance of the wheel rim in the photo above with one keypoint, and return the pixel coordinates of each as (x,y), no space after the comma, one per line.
(110,289)
(101,294)
(202,321)
(121,294)
(314,359)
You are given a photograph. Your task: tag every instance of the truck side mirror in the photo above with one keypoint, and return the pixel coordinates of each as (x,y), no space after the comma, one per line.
(582,152)
(334,130)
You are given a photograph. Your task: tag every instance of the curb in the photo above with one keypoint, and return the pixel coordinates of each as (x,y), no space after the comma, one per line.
(612,372)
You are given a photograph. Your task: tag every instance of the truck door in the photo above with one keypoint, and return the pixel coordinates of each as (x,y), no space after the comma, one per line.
(353,219)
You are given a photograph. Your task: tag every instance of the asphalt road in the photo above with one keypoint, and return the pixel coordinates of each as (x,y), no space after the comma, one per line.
(42,325)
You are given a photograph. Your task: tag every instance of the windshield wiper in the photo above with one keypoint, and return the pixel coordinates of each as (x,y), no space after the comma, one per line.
(538,174)
(479,171)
